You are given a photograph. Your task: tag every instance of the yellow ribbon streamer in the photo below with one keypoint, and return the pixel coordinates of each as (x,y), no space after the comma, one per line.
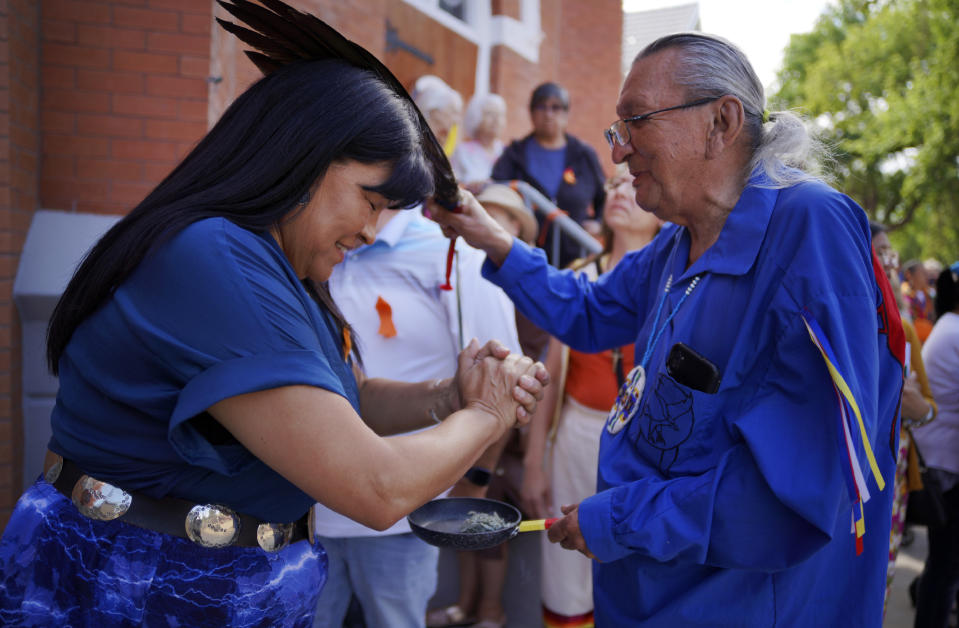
(844,389)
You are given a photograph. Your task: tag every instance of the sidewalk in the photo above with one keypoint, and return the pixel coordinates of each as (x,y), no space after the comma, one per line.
(899,611)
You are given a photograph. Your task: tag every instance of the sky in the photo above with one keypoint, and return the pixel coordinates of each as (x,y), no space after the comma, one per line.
(761,28)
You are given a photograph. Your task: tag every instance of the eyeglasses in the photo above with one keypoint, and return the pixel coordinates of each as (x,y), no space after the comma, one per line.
(618,132)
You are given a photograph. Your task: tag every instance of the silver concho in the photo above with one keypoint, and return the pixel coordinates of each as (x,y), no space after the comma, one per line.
(99,500)
(627,401)
(212,526)
(273,537)
(53,473)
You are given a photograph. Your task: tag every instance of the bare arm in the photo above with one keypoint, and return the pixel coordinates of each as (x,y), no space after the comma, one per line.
(315,439)
(393,407)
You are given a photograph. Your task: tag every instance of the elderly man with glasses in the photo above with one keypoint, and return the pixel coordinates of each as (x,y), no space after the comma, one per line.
(742,472)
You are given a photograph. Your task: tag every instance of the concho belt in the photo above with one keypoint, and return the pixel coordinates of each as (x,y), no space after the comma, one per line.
(207,525)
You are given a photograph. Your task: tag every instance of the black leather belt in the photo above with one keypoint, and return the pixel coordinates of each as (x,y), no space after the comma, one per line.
(207,525)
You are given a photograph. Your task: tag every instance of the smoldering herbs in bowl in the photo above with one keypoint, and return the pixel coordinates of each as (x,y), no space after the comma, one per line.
(483,522)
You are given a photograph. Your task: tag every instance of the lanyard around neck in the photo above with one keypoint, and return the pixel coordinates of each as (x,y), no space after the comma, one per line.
(654,337)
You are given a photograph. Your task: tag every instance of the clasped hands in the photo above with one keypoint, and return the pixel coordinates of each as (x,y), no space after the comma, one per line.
(506,385)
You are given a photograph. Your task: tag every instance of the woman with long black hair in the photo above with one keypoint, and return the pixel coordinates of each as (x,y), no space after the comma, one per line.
(208,394)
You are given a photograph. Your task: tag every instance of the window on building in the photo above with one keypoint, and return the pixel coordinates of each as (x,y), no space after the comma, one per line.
(456,8)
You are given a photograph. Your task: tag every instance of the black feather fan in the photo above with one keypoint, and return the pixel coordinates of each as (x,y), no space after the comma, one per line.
(281,35)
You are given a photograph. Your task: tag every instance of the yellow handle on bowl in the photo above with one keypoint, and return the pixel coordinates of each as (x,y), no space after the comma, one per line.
(534,525)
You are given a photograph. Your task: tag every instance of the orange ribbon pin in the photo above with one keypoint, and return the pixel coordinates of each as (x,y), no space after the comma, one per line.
(387,328)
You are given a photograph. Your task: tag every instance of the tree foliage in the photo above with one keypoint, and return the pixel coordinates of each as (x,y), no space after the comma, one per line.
(879,80)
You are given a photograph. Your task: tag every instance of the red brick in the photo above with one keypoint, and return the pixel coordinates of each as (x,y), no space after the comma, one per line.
(109,169)
(4,100)
(76,11)
(23,97)
(57,122)
(109,81)
(6,493)
(175,130)
(129,193)
(186,6)
(109,126)
(58,76)
(24,138)
(183,148)
(27,114)
(58,166)
(145,62)
(152,106)
(72,100)
(4,51)
(24,180)
(59,30)
(189,88)
(195,67)
(24,51)
(147,19)
(78,56)
(175,42)
(111,37)
(148,150)
(193,111)
(100,206)
(73,189)
(78,146)
(11,241)
(22,219)
(156,172)
(196,23)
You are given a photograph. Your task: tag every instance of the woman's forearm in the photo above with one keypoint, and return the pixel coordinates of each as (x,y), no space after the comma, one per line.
(391,407)
(316,440)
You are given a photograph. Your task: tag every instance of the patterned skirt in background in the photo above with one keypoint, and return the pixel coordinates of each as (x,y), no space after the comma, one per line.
(59,568)
(899,500)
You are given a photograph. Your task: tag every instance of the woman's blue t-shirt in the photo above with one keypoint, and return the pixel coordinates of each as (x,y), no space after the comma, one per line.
(216,311)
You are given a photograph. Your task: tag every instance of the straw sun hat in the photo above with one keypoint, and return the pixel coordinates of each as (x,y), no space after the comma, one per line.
(510,200)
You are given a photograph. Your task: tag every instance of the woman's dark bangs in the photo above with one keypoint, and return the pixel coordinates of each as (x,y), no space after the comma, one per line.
(409,183)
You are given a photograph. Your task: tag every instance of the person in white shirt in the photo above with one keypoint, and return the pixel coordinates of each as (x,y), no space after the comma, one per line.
(483,123)
(939,443)
(410,330)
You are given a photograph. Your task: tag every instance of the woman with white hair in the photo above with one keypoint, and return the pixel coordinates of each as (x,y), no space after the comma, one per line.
(473,158)
(442,106)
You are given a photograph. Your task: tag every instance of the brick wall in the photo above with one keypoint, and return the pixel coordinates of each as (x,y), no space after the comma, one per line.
(506,7)
(591,72)
(19,148)
(569,55)
(124,97)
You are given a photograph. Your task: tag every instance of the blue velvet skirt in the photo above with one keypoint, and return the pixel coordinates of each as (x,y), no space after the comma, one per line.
(59,568)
